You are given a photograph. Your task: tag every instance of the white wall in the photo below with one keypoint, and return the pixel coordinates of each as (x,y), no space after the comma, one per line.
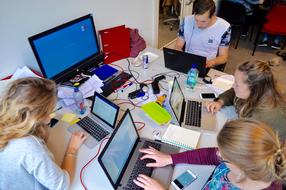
(22,19)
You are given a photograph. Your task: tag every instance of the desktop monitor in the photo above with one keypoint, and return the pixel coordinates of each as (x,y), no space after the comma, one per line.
(63,51)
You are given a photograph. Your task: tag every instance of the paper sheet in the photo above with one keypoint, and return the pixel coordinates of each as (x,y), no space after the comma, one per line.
(68,117)
(222,83)
(87,89)
(23,72)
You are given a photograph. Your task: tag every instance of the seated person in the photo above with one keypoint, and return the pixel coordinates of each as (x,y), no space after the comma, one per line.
(205,34)
(255,95)
(25,161)
(249,156)
(167,4)
(273,42)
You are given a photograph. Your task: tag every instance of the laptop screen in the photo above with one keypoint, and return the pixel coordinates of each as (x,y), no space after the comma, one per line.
(176,99)
(104,109)
(116,153)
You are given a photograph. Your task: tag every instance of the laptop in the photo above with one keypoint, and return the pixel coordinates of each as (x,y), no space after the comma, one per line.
(182,61)
(120,158)
(190,113)
(100,122)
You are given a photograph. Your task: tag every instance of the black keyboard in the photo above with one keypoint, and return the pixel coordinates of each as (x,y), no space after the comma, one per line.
(140,166)
(93,128)
(193,113)
(114,83)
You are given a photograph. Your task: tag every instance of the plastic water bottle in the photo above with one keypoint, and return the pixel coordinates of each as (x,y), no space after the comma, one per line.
(79,100)
(192,78)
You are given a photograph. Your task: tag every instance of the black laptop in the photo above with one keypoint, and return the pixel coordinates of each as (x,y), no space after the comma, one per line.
(182,61)
(120,158)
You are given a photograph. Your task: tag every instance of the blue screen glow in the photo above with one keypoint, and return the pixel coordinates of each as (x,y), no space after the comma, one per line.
(66,47)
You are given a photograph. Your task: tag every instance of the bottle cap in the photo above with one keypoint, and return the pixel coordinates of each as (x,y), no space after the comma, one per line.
(76,85)
(194,65)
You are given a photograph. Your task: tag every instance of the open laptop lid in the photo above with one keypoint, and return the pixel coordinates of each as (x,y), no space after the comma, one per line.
(182,61)
(104,109)
(117,153)
(177,101)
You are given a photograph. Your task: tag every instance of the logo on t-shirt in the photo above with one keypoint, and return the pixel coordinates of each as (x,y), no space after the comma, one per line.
(210,41)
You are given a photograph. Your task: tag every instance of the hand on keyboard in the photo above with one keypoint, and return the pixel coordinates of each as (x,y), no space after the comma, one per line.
(161,159)
(148,183)
(214,107)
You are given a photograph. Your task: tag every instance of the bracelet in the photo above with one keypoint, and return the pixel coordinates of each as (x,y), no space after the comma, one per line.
(71,154)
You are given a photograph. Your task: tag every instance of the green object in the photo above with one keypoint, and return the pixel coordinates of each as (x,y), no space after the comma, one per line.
(157,113)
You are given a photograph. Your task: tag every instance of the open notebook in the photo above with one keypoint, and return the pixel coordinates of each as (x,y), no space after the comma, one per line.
(181,137)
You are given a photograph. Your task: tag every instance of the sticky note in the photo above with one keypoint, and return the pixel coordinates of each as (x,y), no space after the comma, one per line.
(53,115)
(75,121)
(68,117)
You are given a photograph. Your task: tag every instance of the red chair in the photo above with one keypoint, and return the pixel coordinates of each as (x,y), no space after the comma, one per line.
(275,24)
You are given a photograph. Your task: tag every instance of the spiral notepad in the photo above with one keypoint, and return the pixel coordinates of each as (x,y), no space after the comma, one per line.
(181,137)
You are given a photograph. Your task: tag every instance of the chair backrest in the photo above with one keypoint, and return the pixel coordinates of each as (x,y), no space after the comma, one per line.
(232,12)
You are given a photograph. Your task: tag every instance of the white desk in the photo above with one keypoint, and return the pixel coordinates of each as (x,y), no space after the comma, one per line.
(94,177)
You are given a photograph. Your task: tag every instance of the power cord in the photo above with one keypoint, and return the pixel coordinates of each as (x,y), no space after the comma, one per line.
(98,150)
(82,169)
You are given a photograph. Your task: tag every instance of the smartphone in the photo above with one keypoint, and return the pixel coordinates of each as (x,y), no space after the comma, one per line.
(183,180)
(53,122)
(207,95)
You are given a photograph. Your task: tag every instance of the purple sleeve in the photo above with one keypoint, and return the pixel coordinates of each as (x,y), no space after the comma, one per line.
(276,185)
(203,156)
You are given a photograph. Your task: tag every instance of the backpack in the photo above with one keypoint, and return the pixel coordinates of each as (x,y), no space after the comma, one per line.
(137,43)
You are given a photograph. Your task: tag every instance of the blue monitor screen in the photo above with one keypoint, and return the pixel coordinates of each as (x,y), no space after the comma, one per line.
(66,46)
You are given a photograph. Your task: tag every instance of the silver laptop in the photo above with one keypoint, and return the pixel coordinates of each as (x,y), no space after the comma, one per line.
(120,158)
(100,122)
(190,113)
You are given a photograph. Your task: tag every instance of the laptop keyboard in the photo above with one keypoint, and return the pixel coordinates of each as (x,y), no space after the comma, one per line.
(140,166)
(193,113)
(114,83)
(93,128)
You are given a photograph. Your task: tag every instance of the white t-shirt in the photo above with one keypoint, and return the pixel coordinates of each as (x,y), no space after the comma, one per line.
(26,163)
(205,42)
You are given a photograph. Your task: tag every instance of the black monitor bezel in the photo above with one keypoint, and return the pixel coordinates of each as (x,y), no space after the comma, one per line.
(181,119)
(91,61)
(117,183)
(96,94)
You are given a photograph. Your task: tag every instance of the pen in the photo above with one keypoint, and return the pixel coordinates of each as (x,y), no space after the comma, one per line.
(125,86)
(58,108)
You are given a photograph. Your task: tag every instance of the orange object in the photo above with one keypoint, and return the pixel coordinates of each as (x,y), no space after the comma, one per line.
(160,100)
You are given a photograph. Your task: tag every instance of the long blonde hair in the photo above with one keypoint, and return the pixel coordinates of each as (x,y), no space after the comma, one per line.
(24,107)
(254,148)
(263,89)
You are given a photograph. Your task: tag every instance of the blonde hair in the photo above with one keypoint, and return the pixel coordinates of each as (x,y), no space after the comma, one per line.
(264,93)
(24,107)
(254,148)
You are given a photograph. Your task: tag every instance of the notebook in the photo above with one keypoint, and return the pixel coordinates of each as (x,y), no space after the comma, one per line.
(156,112)
(100,122)
(181,137)
(192,117)
(120,158)
(182,61)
